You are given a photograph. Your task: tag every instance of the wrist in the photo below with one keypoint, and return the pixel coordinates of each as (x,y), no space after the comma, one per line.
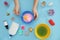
(34,9)
(16,6)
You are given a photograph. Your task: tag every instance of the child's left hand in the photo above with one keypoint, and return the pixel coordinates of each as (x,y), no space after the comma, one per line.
(35,13)
(16,10)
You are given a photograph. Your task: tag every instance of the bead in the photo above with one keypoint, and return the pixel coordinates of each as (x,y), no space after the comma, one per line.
(8,14)
(50,4)
(22,27)
(30,29)
(51,22)
(43,3)
(6,3)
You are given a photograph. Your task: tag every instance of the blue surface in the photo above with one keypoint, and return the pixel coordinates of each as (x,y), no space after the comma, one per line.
(43,17)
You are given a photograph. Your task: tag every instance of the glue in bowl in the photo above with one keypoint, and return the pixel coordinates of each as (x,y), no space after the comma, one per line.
(27,16)
(42,31)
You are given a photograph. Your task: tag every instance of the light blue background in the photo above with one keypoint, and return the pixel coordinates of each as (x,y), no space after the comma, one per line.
(43,17)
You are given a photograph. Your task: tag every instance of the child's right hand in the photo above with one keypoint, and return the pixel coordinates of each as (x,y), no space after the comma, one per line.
(16,10)
(35,13)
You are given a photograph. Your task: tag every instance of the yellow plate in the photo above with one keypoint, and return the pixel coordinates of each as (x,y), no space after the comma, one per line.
(48,31)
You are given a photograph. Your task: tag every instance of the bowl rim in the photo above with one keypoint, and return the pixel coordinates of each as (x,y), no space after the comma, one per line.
(48,32)
(25,12)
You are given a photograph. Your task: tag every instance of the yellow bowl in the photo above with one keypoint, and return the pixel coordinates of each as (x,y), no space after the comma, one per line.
(47,28)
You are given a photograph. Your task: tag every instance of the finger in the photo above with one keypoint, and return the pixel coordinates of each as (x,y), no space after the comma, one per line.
(33,12)
(17,13)
(36,14)
(35,17)
(14,11)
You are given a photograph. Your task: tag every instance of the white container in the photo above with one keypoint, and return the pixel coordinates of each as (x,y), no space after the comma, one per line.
(13,29)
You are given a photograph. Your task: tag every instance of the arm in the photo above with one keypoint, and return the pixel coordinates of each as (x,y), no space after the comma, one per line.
(16,8)
(34,9)
(16,2)
(35,4)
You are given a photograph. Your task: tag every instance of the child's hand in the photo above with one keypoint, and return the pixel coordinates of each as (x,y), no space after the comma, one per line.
(16,10)
(35,13)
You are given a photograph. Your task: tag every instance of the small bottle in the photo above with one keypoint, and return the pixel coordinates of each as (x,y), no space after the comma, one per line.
(6,24)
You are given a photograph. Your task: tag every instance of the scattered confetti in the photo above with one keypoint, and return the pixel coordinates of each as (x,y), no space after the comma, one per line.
(51,22)
(51,12)
(43,3)
(30,29)
(50,4)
